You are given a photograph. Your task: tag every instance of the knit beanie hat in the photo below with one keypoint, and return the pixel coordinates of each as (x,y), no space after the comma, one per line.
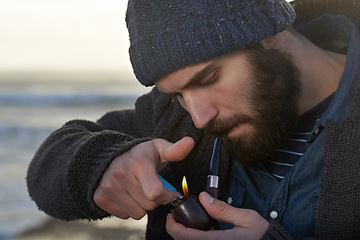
(166,35)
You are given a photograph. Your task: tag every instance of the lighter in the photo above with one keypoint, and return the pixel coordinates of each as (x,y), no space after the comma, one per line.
(189,211)
(170,187)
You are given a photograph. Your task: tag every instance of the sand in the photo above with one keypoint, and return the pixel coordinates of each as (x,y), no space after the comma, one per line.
(106,229)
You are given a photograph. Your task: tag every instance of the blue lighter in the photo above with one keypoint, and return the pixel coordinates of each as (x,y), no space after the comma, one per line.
(170,187)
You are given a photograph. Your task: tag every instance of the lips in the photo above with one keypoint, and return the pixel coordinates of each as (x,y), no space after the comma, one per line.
(230,133)
(236,130)
(230,127)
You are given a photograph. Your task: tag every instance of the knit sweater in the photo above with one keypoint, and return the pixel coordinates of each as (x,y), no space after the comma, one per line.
(68,166)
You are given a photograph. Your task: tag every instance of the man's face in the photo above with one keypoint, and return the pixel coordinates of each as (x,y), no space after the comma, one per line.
(249,97)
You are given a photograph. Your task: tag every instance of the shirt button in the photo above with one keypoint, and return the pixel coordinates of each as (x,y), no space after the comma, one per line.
(274,214)
(317,130)
(230,200)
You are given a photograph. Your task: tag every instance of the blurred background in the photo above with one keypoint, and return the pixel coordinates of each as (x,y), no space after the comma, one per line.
(59,60)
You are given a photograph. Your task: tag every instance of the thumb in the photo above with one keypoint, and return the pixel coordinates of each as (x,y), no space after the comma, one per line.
(219,210)
(175,151)
(249,223)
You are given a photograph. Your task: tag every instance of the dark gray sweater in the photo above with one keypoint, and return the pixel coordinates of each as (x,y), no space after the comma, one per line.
(68,166)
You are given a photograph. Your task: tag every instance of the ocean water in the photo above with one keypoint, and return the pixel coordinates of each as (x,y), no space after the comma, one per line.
(31,107)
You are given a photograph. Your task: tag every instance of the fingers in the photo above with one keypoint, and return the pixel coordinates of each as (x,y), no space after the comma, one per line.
(244,218)
(179,231)
(218,209)
(121,194)
(248,223)
(133,210)
(130,186)
(115,198)
(151,186)
(145,172)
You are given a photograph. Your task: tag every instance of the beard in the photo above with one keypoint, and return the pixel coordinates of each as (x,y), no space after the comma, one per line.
(274,99)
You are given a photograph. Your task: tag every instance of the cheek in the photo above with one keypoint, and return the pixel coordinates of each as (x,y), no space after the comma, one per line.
(235,100)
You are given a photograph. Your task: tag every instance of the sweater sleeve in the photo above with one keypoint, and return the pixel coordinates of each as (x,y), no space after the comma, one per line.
(276,232)
(67,167)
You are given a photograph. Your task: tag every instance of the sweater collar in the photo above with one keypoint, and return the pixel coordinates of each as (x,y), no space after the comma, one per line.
(337,33)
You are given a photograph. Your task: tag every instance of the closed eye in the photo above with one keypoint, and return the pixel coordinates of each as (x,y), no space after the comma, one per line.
(210,80)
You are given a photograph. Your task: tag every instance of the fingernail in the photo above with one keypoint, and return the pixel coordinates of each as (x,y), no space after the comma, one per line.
(207,198)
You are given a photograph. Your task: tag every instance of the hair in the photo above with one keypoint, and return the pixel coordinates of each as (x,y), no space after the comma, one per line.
(276,84)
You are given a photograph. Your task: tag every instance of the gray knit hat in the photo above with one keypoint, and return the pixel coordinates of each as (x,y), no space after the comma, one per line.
(166,35)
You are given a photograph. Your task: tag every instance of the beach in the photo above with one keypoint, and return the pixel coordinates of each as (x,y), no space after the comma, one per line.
(60,60)
(32,105)
(106,229)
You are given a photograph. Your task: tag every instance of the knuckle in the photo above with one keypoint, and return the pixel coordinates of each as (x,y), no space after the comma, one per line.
(122,215)
(251,217)
(136,164)
(139,215)
(154,193)
(149,206)
(99,198)
(223,209)
(251,214)
(120,173)
(127,163)
(107,187)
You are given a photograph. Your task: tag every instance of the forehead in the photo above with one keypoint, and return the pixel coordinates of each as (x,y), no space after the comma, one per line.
(179,78)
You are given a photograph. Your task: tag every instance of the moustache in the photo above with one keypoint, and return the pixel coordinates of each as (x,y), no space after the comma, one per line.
(218,127)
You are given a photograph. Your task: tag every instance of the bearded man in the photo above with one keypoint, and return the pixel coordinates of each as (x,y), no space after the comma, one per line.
(284,99)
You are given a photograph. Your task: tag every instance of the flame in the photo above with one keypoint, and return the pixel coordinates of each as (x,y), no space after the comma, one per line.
(185,187)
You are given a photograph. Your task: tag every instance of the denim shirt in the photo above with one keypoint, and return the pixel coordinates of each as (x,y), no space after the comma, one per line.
(293,201)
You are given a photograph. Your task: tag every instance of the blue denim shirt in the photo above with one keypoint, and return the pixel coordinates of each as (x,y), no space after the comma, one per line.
(293,201)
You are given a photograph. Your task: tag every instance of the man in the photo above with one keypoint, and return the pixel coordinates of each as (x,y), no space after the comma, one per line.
(286,107)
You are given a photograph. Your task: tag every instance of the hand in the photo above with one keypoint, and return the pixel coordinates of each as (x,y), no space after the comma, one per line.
(130,186)
(248,223)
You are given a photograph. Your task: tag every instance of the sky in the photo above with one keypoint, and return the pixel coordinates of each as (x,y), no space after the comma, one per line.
(63,35)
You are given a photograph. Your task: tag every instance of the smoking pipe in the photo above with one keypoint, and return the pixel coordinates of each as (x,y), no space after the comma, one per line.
(212,180)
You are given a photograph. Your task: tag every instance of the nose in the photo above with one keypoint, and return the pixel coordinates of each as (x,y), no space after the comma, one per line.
(201,109)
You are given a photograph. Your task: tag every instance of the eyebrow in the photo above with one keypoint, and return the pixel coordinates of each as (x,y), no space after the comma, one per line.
(200,75)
